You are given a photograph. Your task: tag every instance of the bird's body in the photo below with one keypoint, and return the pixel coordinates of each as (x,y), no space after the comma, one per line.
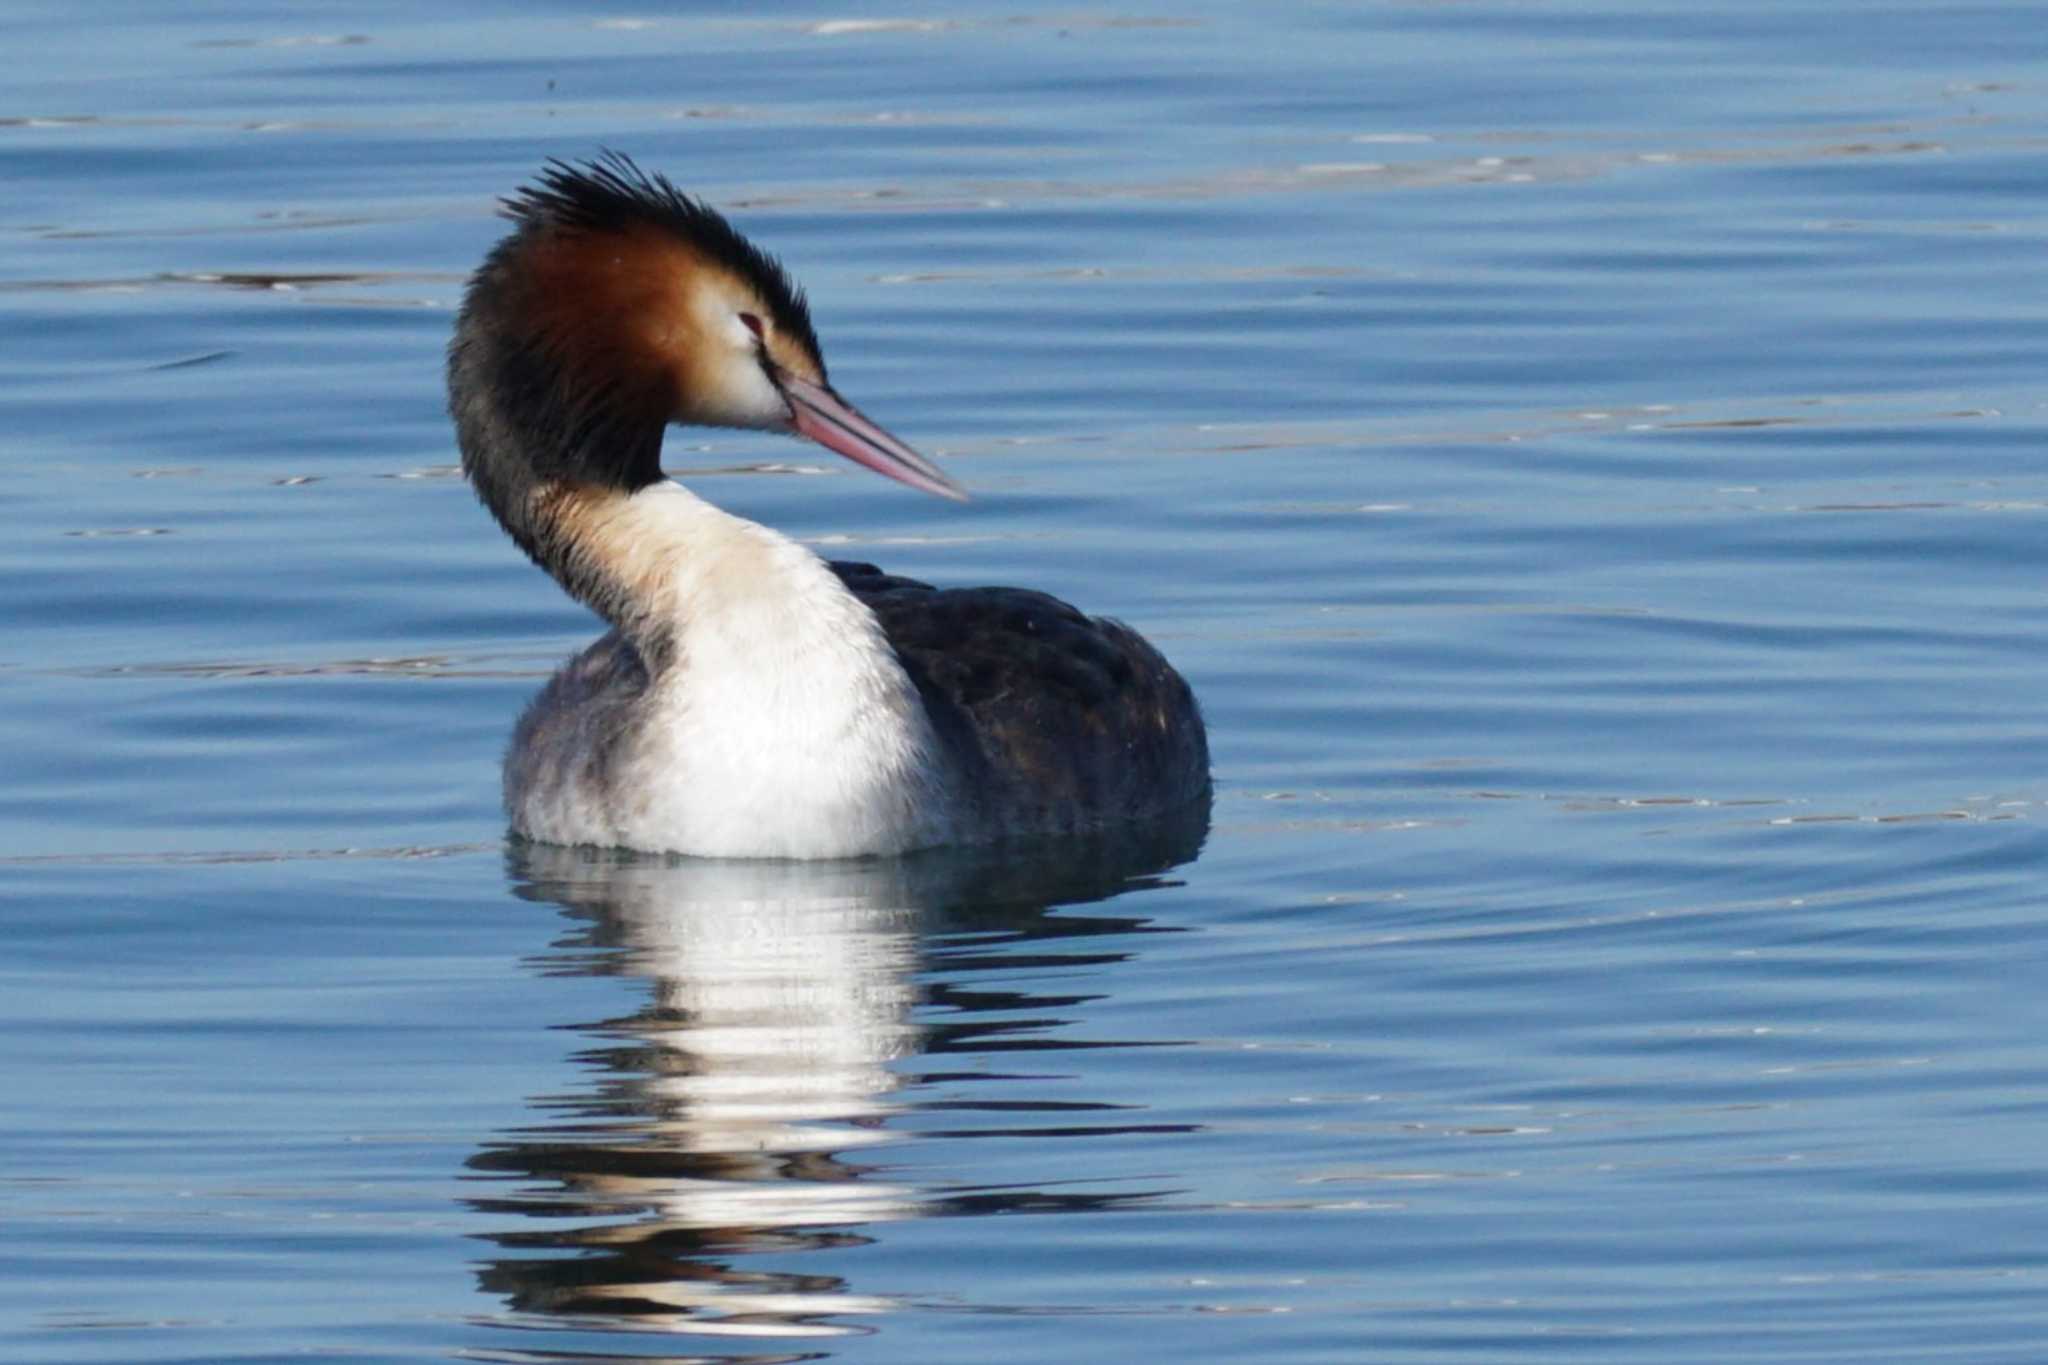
(753,700)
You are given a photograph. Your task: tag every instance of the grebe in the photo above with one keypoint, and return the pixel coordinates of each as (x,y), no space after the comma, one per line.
(751,699)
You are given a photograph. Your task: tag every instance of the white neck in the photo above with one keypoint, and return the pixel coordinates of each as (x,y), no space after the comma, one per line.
(777,721)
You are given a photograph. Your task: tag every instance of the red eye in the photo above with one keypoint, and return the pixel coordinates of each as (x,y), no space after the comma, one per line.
(753,325)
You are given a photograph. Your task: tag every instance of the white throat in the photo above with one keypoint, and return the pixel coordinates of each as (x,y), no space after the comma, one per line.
(777,722)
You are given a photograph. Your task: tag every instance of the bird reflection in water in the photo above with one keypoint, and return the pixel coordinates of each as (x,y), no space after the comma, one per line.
(733,1114)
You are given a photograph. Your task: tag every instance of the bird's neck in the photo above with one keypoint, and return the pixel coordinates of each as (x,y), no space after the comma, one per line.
(624,554)
(677,575)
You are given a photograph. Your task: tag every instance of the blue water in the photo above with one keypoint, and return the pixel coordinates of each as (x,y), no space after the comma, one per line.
(1588,459)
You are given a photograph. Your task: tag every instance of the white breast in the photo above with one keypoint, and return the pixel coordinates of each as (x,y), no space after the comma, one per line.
(782,726)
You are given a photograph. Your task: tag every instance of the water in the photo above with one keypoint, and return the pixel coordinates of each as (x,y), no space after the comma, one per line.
(1586,458)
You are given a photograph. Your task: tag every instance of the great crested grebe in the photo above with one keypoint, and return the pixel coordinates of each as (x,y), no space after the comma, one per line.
(751,699)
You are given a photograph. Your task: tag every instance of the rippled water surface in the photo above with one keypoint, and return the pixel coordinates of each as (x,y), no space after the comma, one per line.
(1588,459)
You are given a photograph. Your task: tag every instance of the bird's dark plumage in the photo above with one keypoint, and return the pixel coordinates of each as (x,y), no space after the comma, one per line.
(1063,717)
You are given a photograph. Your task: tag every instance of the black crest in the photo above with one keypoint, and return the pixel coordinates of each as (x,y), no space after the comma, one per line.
(611,193)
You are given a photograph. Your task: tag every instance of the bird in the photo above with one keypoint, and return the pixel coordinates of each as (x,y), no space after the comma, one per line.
(752,699)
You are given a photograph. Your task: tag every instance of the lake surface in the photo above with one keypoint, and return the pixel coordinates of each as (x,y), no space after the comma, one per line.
(1588,459)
